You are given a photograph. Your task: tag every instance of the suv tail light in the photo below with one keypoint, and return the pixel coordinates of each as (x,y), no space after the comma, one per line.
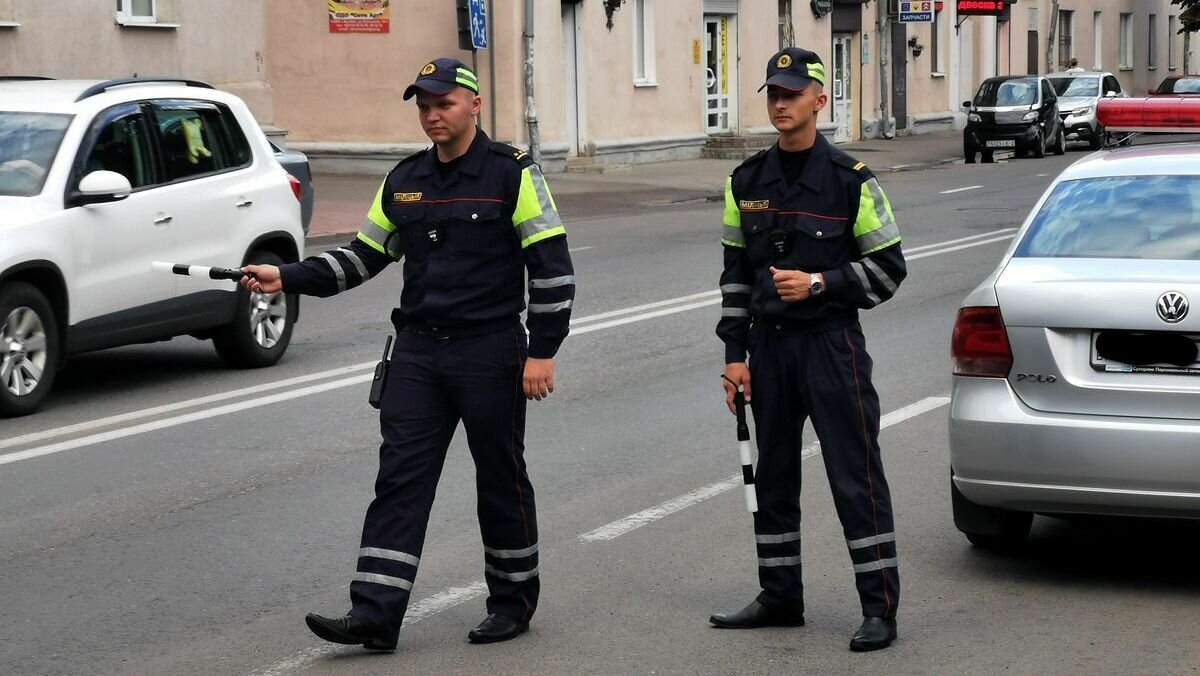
(980,343)
(295,183)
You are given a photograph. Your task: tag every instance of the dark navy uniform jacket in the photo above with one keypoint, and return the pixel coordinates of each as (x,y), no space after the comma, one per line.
(467,239)
(834,220)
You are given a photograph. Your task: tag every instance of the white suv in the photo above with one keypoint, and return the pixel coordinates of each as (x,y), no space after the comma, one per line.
(100,179)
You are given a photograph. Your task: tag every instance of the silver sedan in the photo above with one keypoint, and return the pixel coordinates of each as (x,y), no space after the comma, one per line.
(1076,384)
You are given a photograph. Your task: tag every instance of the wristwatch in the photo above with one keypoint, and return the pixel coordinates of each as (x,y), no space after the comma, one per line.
(816,284)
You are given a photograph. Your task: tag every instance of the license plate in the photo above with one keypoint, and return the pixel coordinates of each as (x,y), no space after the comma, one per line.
(1001,144)
(1112,366)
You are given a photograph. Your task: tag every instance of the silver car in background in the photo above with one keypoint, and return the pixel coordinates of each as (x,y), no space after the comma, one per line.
(1079,92)
(1076,384)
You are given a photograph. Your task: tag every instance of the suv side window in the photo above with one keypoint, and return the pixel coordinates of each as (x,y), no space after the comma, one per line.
(121,143)
(195,140)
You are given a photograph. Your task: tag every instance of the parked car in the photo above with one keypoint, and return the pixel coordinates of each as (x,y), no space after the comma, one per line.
(296,164)
(1076,368)
(1178,85)
(1013,112)
(100,179)
(1078,95)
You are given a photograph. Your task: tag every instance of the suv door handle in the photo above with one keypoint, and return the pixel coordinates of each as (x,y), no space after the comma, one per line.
(162,220)
(244,203)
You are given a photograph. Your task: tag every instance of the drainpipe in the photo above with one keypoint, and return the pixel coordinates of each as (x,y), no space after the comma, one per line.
(1050,41)
(883,44)
(535,145)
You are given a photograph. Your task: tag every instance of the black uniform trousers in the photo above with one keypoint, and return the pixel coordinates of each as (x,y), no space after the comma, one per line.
(826,376)
(434,382)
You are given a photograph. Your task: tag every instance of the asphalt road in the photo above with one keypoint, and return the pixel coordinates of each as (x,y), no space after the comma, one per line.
(164,515)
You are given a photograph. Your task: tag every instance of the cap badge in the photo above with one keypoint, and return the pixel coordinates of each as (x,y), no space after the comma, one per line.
(784,61)
(428,69)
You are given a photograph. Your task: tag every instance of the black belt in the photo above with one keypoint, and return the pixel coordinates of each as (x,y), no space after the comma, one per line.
(465,331)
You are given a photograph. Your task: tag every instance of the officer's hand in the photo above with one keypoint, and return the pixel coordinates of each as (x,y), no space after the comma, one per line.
(792,285)
(266,278)
(539,378)
(739,373)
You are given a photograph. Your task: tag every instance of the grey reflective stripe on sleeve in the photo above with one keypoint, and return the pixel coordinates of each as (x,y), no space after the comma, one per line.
(777,539)
(552,282)
(861,271)
(338,272)
(374,232)
(733,235)
(544,308)
(377,553)
(875,565)
(511,553)
(884,278)
(387,580)
(873,540)
(779,561)
(876,238)
(357,263)
(734,312)
(735,288)
(515,577)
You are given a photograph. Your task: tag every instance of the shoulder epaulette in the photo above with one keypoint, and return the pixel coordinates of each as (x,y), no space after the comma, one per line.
(751,161)
(511,152)
(843,160)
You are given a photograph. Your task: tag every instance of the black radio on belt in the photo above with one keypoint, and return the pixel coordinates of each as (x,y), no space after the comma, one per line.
(379,381)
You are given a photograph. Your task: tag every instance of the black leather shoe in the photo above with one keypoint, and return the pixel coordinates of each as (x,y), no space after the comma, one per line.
(350,630)
(876,633)
(496,628)
(757,615)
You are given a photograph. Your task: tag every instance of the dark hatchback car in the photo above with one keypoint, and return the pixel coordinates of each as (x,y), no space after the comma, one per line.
(1013,112)
(1178,85)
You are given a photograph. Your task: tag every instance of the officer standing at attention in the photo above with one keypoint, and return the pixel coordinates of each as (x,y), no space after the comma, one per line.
(469,216)
(809,239)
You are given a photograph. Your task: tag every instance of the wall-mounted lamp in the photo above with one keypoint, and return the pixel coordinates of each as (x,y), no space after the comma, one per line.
(916,48)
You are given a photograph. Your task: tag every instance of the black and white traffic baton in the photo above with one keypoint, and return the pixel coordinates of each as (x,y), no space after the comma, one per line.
(743,435)
(232,274)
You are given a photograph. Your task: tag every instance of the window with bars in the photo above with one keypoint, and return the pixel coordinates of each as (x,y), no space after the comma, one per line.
(1066,19)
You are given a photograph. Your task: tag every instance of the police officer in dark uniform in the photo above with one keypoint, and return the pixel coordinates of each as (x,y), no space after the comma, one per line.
(469,216)
(809,240)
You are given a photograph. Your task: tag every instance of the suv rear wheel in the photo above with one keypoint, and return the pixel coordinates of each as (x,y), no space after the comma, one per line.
(29,349)
(1039,146)
(1060,145)
(262,324)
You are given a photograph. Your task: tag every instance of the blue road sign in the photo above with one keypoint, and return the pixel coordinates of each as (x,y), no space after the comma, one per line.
(478,14)
(916,11)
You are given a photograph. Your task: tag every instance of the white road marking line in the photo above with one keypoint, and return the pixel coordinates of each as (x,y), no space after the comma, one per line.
(960,247)
(579,248)
(659,309)
(951,192)
(179,405)
(1042,175)
(634,521)
(939,245)
(443,600)
(180,420)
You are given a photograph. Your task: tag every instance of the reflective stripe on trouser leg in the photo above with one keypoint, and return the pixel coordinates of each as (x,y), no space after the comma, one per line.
(845,412)
(778,420)
(417,419)
(487,388)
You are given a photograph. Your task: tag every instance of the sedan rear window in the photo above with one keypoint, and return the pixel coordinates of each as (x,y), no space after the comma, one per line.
(28,144)
(1183,85)
(1152,217)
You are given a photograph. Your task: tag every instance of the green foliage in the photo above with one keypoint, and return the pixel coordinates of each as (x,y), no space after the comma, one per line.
(1189,18)
(611,6)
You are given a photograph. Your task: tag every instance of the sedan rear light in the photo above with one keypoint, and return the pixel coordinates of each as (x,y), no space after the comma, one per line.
(980,343)
(295,183)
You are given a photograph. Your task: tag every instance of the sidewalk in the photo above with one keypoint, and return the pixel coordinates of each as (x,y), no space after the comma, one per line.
(342,201)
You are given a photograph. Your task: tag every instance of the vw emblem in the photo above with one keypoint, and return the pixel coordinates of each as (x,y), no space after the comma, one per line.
(1172,307)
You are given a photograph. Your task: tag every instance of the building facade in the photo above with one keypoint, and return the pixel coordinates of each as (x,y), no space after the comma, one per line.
(664,80)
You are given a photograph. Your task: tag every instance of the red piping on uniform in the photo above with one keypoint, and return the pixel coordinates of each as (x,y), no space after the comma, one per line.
(793,213)
(517,466)
(457,199)
(871,484)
